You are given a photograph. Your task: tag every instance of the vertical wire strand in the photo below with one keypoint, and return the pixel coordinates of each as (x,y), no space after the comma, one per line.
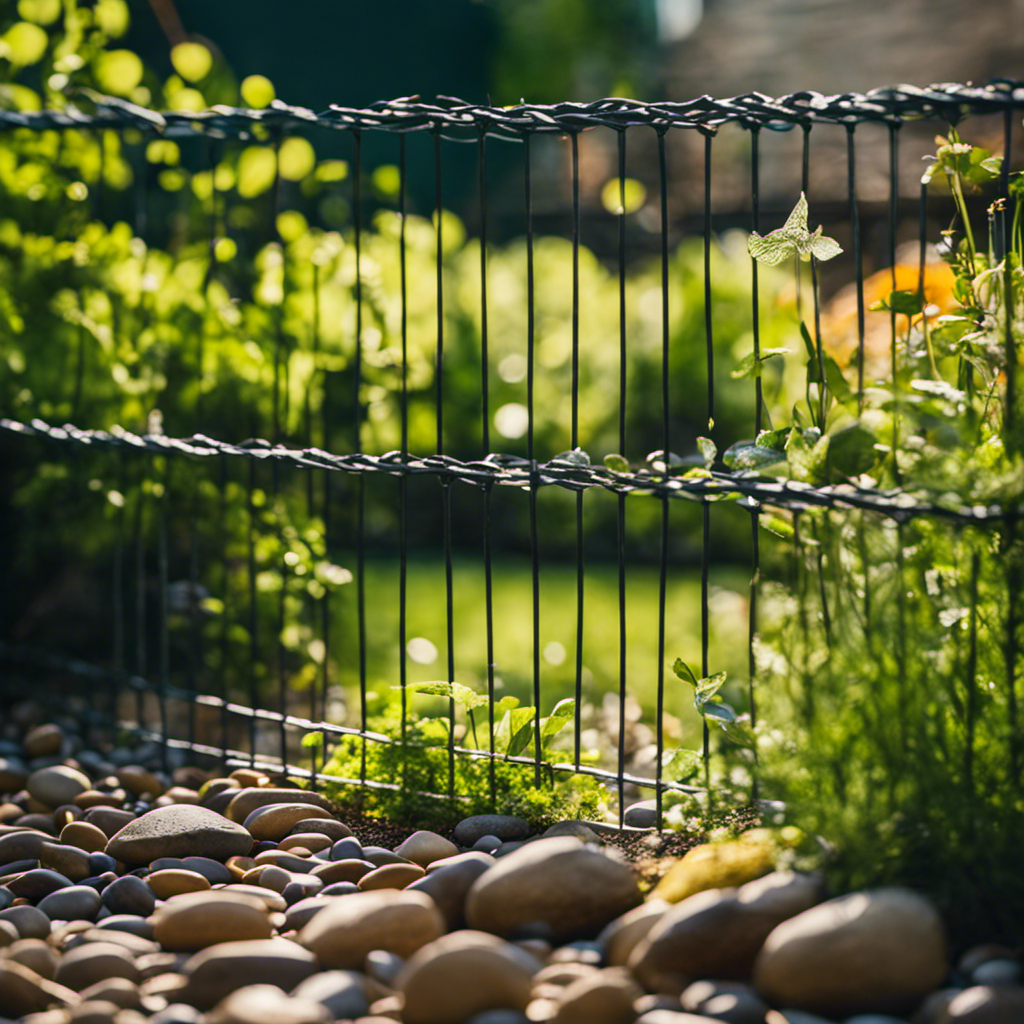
(403,487)
(972,674)
(621,516)
(446,501)
(666,441)
(485,439)
(1013,574)
(357,429)
(223,649)
(164,649)
(402,480)
(858,256)
(709,341)
(531,455)
(316,711)
(139,552)
(574,444)
(755,539)
(253,607)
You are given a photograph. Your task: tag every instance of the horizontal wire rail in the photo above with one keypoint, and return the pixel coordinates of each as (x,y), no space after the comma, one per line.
(456,119)
(571,471)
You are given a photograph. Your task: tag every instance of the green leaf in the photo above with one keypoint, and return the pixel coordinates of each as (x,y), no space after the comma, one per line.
(521,730)
(740,733)
(464,696)
(836,380)
(812,349)
(793,238)
(751,365)
(682,764)
(852,451)
(708,687)
(684,672)
(747,455)
(777,525)
(616,463)
(718,712)
(561,715)
(506,704)
(708,450)
(775,439)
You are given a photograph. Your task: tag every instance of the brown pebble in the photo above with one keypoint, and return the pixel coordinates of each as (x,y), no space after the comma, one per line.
(348,870)
(238,866)
(84,836)
(95,961)
(334,830)
(139,781)
(391,876)
(70,861)
(96,1011)
(250,777)
(283,859)
(94,798)
(174,881)
(36,955)
(109,820)
(121,991)
(43,740)
(181,795)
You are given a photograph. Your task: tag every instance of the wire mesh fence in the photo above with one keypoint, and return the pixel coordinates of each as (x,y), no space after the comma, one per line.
(372,400)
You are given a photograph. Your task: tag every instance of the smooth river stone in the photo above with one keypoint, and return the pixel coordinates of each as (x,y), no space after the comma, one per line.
(75,903)
(244,802)
(175,881)
(129,895)
(25,844)
(264,1004)
(22,991)
(180,830)
(394,920)
(502,826)
(276,820)
(463,974)
(84,836)
(57,785)
(217,971)
(572,888)
(195,921)
(95,961)
(424,848)
(391,876)
(877,951)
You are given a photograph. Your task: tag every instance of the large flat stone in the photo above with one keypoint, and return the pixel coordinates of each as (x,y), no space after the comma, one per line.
(180,830)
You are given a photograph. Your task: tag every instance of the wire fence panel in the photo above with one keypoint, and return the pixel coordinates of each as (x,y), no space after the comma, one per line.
(375,362)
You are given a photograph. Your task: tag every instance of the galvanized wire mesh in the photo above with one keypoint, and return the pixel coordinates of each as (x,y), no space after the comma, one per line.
(154,456)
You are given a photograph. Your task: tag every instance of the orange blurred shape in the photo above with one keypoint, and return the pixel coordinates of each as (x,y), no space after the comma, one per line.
(839,315)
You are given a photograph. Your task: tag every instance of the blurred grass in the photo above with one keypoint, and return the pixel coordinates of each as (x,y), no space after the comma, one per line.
(513,630)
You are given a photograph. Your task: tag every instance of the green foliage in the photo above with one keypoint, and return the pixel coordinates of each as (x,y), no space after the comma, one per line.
(416,759)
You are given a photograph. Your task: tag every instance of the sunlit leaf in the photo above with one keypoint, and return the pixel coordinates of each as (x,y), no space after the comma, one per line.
(616,463)
(25,43)
(627,200)
(256,171)
(192,61)
(42,12)
(257,92)
(296,158)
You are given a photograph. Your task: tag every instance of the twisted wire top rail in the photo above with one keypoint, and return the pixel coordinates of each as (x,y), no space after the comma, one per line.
(456,119)
(571,470)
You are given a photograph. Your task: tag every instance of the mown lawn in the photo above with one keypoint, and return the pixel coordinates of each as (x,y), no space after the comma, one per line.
(513,637)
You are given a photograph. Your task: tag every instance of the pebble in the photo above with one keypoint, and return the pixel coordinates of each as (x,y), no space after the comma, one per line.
(70,861)
(397,921)
(178,830)
(719,932)
(343,993)
(245,801)
(503,827)
(620,937)
(36,955)
(985,1004)
(642,814)
(216,972)
(330,827)
(875,951)
(424,848)
(997,972)
(733,1002)
(43,740)
(129,895)
(602,997)
(569,886)
(391,876)
(265,1004)
(276,820)
(464,973)
(194,921)
(37,883)
(74,903)
(95,961)
(447,886)
(22,991)
(57,785)
(175,881)
(31,922)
